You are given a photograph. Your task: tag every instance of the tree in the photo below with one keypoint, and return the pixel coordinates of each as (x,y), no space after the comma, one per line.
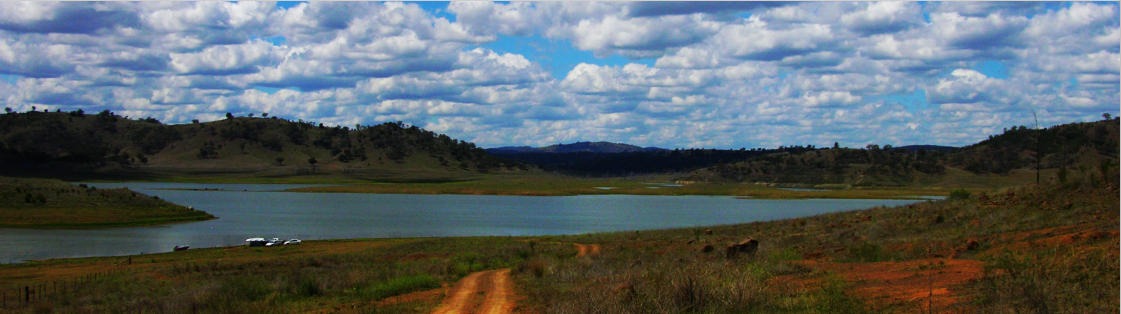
(279,161)
(8,109)
(229,115)
(836,145)
(265,114)
(311,161)
(195,121)
(1106,116)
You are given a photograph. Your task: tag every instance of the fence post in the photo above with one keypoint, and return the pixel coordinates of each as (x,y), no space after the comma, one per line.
(26,295)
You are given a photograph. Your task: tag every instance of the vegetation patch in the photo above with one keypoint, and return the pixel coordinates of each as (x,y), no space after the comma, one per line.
(47,203)
(399,285)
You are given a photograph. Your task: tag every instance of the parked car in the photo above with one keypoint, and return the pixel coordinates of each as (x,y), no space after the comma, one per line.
(292,242)
(274,242)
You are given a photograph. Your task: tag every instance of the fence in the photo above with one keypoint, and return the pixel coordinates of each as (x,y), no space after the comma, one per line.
(14,296)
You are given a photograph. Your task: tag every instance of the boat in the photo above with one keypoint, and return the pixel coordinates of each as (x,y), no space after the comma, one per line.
(181,247)
(256,241)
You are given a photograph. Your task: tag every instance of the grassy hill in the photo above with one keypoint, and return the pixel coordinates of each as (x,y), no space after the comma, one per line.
(1079,146)
(47,203)
(77,145)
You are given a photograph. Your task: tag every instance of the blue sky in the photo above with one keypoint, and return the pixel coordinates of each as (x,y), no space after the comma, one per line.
(716,74)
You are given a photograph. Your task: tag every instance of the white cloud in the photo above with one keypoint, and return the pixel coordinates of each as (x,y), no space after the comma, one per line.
(226,59)
(883,17)
(703,75)
(978,33)
(756,40)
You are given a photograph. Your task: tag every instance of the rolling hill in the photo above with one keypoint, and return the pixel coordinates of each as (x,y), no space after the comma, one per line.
(76,145)
(1076,146)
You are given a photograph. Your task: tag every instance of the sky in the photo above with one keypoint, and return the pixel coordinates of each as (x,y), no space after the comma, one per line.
(666,74)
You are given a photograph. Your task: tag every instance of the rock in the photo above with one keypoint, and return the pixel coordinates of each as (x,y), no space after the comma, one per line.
(708,231)
(747,246)
(708,248)
(972,244)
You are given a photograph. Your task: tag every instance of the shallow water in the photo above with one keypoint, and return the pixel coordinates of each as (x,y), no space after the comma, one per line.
(264,210)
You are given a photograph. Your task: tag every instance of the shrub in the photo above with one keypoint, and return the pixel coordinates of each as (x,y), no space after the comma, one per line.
(959,194)
(865,252)
(537,266)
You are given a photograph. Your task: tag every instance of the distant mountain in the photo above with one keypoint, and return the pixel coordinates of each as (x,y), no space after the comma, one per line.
(75,145)
(578,147)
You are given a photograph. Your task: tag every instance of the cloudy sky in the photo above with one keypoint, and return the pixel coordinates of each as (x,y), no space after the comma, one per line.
(715,75)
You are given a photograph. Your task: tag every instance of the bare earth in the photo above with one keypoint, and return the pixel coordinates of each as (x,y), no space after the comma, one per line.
(587,249)
(489,292)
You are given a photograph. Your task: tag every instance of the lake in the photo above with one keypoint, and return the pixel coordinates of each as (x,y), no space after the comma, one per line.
(264,210)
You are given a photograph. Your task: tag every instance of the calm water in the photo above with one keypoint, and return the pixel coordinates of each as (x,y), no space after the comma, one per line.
(261,210)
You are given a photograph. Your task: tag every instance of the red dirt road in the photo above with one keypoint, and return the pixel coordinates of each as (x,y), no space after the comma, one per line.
(489,292)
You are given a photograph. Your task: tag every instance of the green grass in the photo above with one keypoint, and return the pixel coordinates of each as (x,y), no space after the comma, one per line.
(45,203)
(399,285)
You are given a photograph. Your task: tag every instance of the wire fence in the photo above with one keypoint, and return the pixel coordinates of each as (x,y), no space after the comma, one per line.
(31,294)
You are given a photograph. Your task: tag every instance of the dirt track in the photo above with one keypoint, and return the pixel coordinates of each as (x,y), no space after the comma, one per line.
(587,249)
(480,292)
(491,291)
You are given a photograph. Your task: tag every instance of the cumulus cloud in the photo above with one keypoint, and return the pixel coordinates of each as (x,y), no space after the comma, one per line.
(55,17)
(963,86)
(721,74)
(755,40)
(883,17)
(978,32)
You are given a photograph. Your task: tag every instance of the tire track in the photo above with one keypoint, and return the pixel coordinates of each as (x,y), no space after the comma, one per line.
(488,292)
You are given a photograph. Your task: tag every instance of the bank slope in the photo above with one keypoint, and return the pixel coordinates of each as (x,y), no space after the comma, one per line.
(47,203)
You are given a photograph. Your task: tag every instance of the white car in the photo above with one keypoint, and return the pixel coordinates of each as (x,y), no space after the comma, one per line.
(274,242)
(292,242)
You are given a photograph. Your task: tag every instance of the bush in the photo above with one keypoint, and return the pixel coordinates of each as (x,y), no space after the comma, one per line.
(865,252)
(959,194)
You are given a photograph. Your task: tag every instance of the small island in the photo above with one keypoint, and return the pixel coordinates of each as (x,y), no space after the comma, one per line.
(49,204)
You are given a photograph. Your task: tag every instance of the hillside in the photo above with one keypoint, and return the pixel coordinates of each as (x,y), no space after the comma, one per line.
(1085,144)
(1075,145)
(46,203)
(74,144)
